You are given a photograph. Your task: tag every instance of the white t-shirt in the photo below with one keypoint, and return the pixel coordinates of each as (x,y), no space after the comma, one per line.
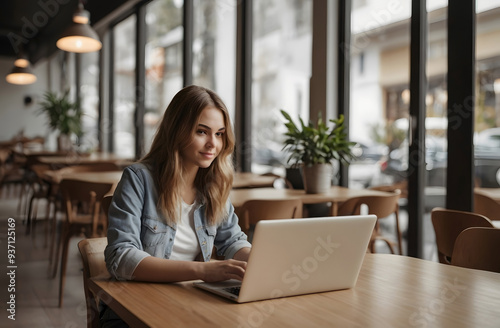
(186,246)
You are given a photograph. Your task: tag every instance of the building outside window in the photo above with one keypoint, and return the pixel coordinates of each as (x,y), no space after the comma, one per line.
(89,101)
(281,74)
(163,61)
(124,87)
(380,96)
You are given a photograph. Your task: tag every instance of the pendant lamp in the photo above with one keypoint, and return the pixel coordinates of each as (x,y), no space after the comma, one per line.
(79,37)
(21,73)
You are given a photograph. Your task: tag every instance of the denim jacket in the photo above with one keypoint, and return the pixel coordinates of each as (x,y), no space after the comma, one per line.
(137,229)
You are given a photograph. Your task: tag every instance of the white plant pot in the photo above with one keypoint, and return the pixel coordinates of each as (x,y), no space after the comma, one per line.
(64,143)
(317,178)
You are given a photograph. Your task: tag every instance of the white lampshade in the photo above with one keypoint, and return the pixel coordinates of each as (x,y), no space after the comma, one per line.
(21,62)
(79,37)
(21,75)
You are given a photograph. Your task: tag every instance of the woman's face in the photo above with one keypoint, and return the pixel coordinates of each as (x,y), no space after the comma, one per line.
(207,141)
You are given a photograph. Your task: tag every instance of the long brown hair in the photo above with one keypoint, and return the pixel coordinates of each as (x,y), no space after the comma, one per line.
(175,132)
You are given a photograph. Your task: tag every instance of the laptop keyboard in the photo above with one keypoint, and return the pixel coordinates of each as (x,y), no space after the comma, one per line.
(233,290)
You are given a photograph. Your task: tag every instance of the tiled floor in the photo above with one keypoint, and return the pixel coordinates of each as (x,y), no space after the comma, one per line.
(36,294)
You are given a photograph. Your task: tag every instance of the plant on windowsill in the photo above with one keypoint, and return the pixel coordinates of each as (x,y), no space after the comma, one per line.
(64,116)
(314,147)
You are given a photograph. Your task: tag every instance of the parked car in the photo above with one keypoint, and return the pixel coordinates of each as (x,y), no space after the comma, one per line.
(364,170)
(396,166)
(486,159)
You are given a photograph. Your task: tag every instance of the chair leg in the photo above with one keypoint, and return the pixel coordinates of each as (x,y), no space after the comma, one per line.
(371,246)
(398,232)
(55,256)
(23,200)
(28,217)
(34,218)
(64,262)
(47,223)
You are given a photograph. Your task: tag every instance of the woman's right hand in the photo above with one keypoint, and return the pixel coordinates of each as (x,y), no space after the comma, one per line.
(214,271)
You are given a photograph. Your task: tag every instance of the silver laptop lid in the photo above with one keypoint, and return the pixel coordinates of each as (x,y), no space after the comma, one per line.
(301,256)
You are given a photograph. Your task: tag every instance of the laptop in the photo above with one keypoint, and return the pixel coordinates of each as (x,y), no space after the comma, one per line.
(300,256)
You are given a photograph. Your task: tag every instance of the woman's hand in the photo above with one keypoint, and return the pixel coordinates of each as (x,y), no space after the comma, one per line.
(223,270)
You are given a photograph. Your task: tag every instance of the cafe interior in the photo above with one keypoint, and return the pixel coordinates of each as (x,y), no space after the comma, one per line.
(416,83)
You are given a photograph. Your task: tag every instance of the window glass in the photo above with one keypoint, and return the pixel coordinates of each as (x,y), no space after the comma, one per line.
(89,101)
(379,99)
(163,61)
(281,75)
(124,87)
(487,126)
(214,48)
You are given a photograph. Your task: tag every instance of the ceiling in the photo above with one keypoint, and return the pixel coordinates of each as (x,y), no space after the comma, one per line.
(35,25)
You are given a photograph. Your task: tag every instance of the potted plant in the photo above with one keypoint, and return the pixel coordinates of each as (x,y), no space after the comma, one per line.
(315,147)
(64,116)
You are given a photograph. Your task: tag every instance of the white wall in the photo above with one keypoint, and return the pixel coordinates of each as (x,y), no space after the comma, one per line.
(15,116)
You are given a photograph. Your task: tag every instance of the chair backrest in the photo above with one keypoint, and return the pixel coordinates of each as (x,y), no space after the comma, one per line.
(255,210)
(106,201)
(4,155)
(448,224)
(381,206)
(478,248)
(84,192)
(486,206)
(92,252)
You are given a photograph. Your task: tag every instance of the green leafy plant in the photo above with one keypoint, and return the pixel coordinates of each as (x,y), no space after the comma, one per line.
(317,144)
(64,115)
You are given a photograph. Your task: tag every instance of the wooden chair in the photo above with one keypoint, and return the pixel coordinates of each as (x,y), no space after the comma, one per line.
(82,200)
(4,156)
(13,174)
(106,201)
(486,206)
(255,210)
(55,201)
(448,224)
(478,248)
(40,190)
(92,252)
(382,207)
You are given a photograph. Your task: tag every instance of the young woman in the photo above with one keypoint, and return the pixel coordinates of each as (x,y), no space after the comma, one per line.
(171,208)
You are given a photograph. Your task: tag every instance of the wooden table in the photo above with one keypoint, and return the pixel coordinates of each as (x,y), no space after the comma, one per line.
(78,159)
(391,291)
(252,180)
(105,176)
(335,195)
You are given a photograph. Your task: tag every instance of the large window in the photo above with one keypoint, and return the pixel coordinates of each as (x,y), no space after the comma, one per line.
(487,126)
(89,101)
(281,75)
(163,61)
(214,48)
(124,87)
(379,95)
